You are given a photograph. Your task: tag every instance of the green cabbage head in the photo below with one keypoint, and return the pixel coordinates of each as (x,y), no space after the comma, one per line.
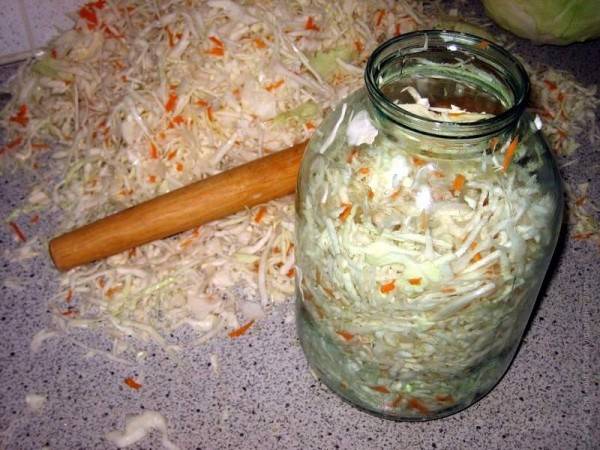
(547,21)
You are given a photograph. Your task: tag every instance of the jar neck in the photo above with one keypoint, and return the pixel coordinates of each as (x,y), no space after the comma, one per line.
(451,70)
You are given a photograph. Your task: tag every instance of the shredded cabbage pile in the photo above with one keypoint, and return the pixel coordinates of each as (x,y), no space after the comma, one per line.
(145,97)
(141,98)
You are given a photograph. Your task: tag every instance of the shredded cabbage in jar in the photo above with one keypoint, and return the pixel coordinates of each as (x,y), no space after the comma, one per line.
(141,98)
(416,266)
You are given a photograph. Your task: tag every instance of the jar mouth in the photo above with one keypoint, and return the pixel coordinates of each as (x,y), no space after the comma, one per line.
(475,65)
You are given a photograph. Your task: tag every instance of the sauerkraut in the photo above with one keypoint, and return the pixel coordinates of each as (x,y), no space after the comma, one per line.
(417,263)
(142,98)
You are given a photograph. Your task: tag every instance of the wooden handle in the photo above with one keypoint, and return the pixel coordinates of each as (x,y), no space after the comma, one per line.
(213,198)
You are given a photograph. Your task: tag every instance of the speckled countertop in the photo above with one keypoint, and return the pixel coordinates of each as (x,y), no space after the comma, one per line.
(264,396)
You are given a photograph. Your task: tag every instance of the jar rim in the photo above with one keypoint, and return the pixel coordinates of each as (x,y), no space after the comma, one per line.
(470,44)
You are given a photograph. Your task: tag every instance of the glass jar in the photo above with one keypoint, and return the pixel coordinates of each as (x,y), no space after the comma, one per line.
(427,211)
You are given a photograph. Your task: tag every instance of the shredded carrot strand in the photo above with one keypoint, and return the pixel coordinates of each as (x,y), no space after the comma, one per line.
(88,14)
(418,161)
(259,43)
(418,405)
(113,290)
(20,235)
(415,281)
(445,398)
(132,383)
(260,214)
(171,36)
(381,389)
(110,34)
(241,330)
(547,114)
(459,183)
(359,46)
(153,151)
(216,51)
(396,194)
(351,155)
(177,120)
(345,334)
(387,287)
(187,242)
(118,65)
(171,102)
(98,4)
(12,144)
(311,25)
(510,152)
(272,86)
(290,273)
(21,116)
(379,16)
(215,40)
(552,86)
(346,212)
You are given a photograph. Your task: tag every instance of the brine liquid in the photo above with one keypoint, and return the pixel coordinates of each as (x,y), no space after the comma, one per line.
(443,93)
